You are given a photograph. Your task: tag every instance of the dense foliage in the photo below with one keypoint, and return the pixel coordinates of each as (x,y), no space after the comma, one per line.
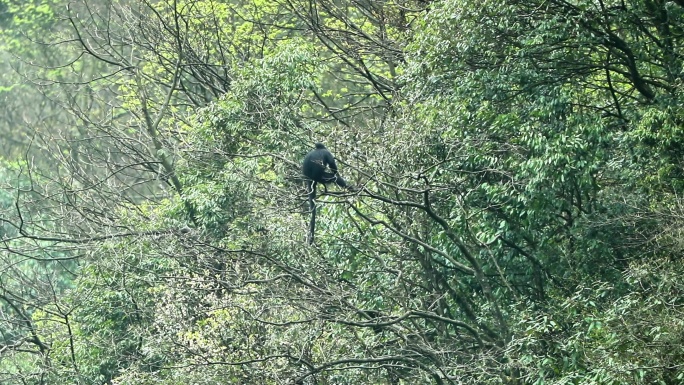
(516,215)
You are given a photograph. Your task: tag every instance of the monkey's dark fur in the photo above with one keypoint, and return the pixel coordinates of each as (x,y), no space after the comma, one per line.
(315,169)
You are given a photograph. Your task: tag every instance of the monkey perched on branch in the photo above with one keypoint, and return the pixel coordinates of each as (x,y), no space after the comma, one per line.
(319,167)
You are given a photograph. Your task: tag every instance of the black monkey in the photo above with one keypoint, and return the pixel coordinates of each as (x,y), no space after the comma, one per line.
(315,169)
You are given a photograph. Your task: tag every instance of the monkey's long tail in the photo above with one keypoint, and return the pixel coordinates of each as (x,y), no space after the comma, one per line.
(312,208)
(312,222)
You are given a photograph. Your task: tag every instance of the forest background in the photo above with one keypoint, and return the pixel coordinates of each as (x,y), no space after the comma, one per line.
(517,218)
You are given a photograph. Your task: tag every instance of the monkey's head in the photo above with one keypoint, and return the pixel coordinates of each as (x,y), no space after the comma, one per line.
(320,146)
